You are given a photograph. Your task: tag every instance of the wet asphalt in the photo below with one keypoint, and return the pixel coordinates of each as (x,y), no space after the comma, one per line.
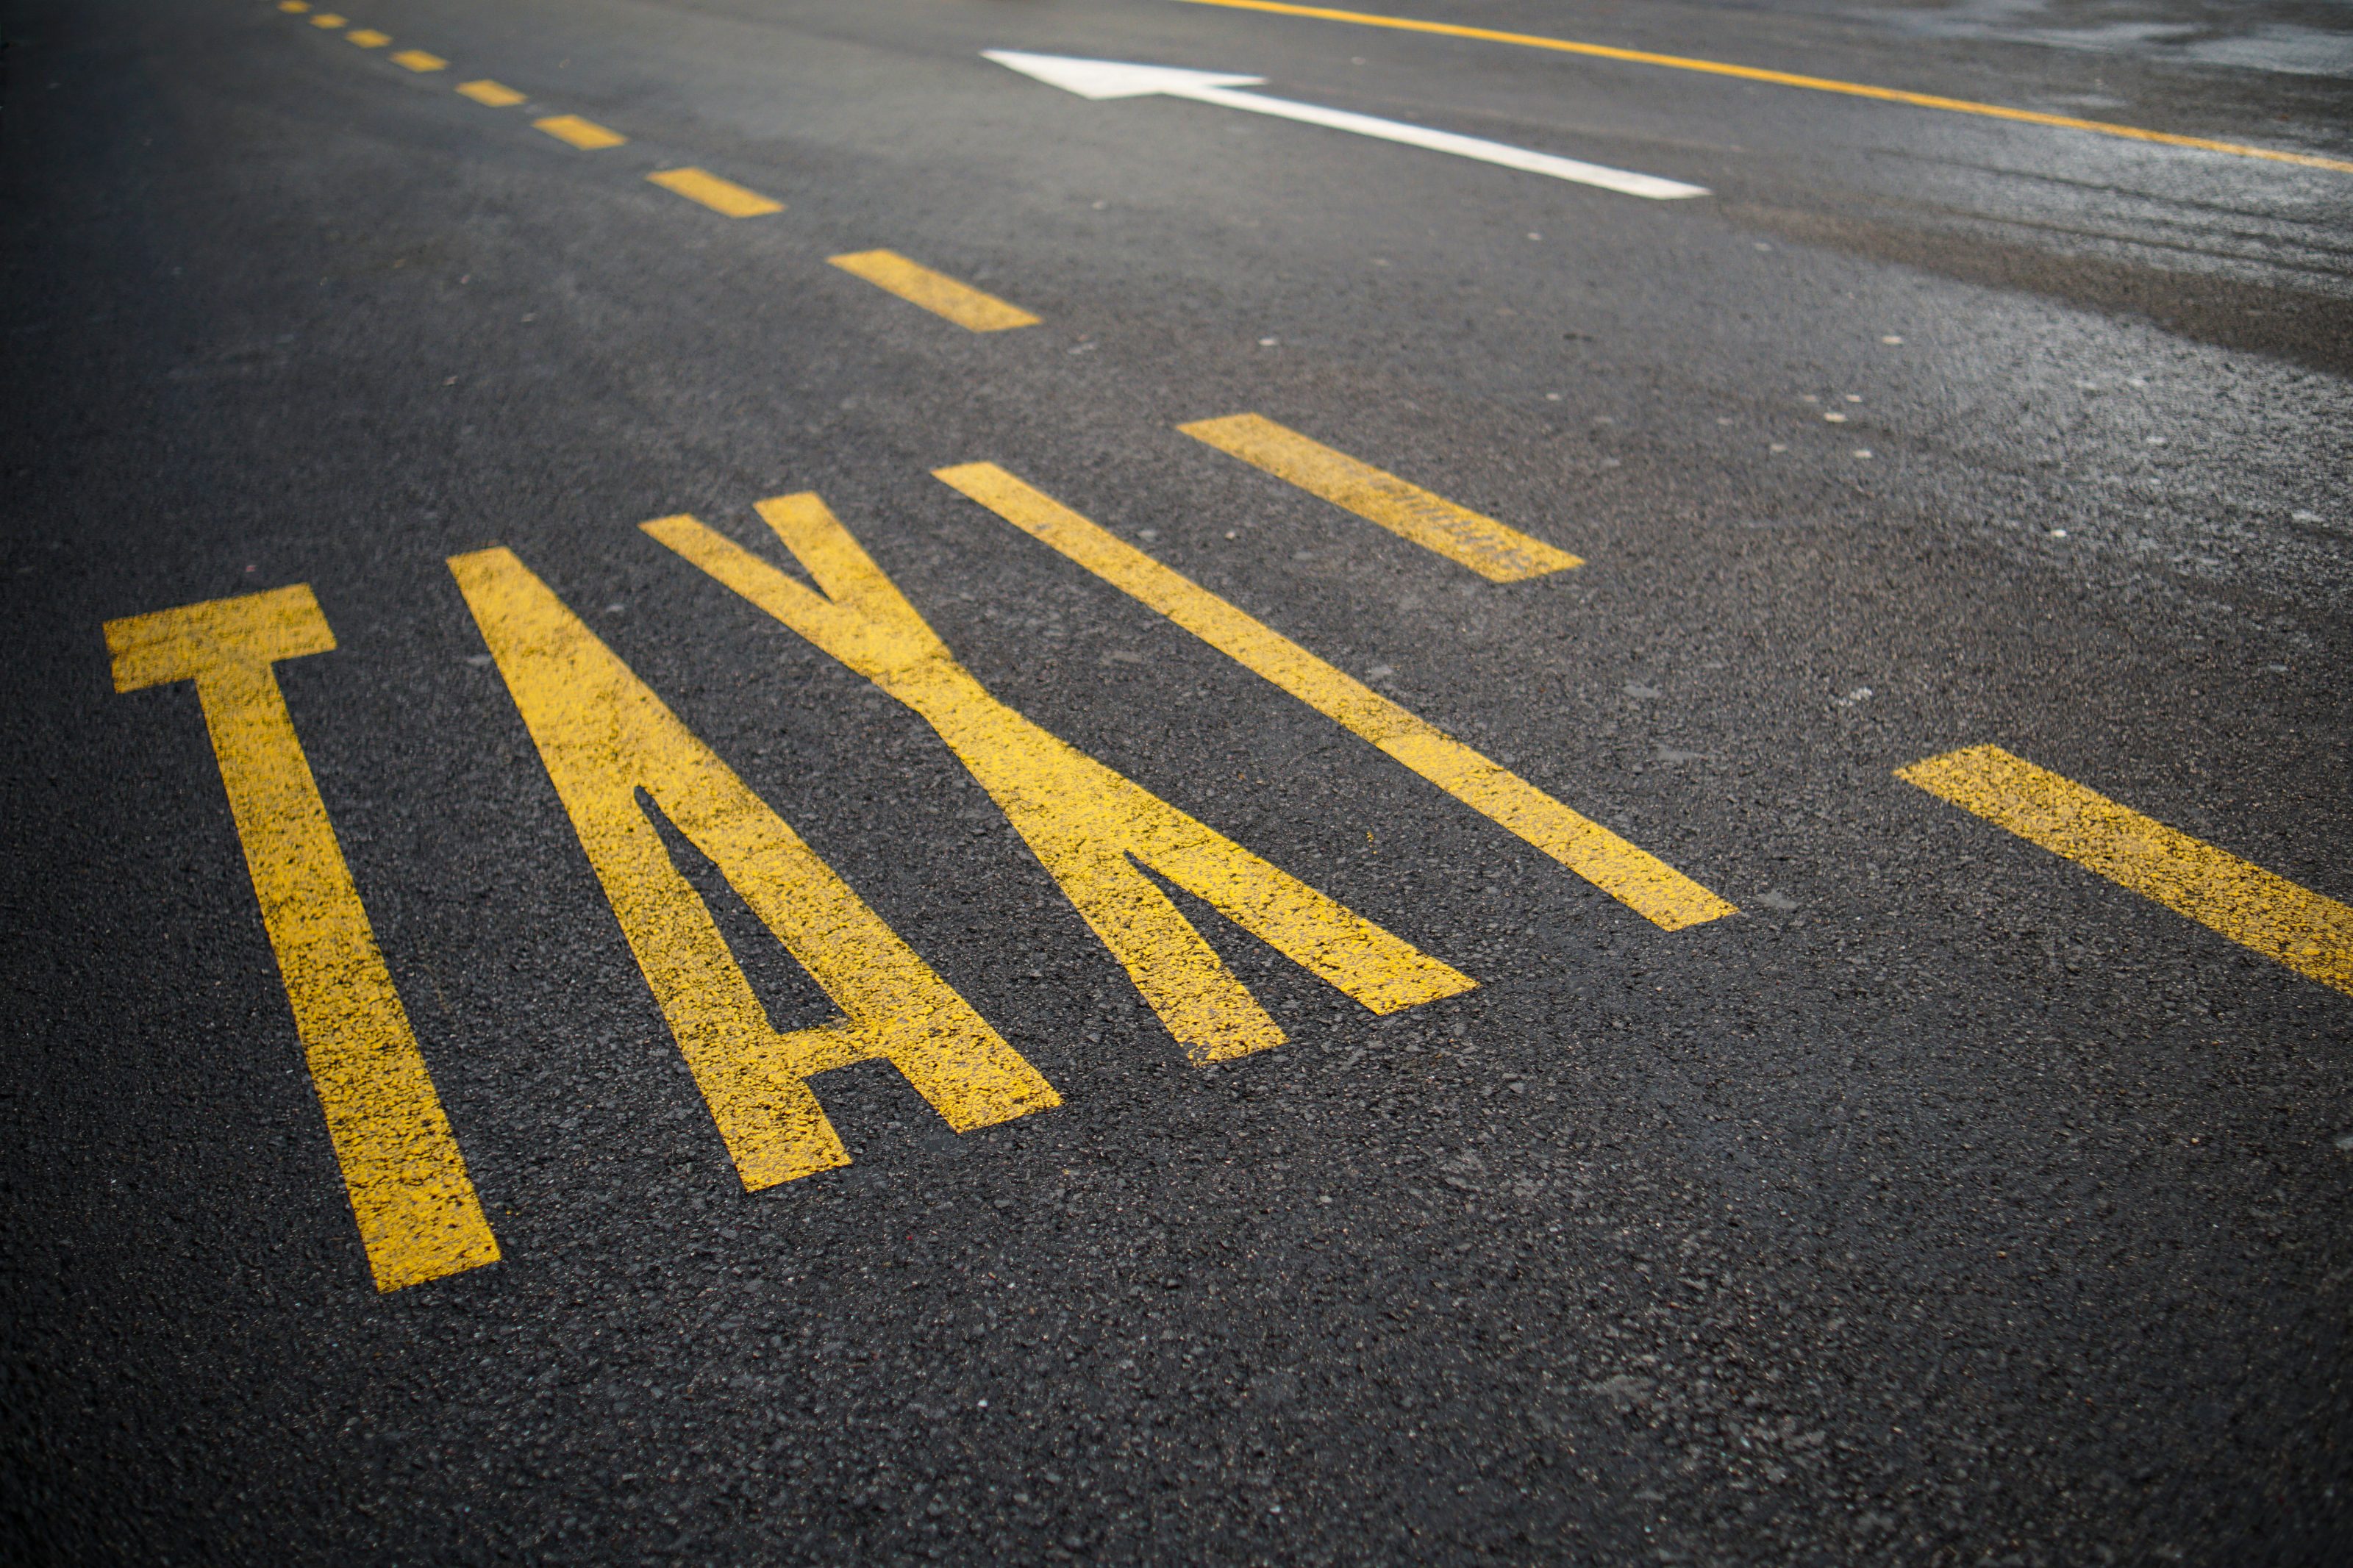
(1947,1204)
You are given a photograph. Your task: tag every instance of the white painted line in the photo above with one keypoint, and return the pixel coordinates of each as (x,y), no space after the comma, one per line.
(1118,79)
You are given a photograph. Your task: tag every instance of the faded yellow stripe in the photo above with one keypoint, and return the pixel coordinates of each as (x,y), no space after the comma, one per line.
(419,61)
(1634,877)
(1088,825)
(585,134)
(604,736)
(937,292)
(326,19)
(2269,914)
(724,196)
(367,38)
(293,7)
(1496,553)
(418,1212)
(497,95)
(1783,78)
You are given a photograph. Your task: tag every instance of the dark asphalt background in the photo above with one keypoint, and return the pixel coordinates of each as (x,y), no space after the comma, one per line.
(1947,1205)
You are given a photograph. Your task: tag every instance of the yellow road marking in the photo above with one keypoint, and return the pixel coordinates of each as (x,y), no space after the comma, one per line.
(1634,877)
(326,19)
(724,196)
(419,61)
(367,38)
(604,736)
(1783,78)
(1496,553)
(585,134)
(1089,826)
(418,1216)
(2302,929)
(293,7)
(937,292)
(497,95)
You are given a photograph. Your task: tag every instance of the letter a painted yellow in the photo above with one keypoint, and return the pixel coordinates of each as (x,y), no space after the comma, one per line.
(604,736)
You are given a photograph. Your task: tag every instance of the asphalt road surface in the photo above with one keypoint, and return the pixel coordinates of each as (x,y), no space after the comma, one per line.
(1291,846)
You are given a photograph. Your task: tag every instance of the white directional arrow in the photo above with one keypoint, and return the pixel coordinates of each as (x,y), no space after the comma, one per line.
(1117,78)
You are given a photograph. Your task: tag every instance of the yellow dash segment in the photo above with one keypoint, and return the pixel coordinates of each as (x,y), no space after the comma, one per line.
(724,196)
(417,1214)
(604,737)
(495,94)
(293,7)
(2310,934)
(1634,877)
(1784,79)
(1090,826)
(1496,553)
(937,292)
(419,61)
(585,134)
(326,19)
(368,37)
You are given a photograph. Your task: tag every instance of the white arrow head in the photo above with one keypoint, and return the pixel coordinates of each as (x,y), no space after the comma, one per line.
(1114,78)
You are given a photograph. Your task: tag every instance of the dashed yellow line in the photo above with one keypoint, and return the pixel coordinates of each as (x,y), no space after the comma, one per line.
(937,292)
(497,95)
(585,134)
(293,7)
(367,38)
(1499,554)
(1631,875)
(419,1216)
(2310,934)
(722,196)
(1782,79)
(419,61)
(326,19)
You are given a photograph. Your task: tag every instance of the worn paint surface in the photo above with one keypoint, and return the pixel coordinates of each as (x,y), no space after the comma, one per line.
(1628,873)
(418,1212)
(1088,825)
(605,736)
(2311,934)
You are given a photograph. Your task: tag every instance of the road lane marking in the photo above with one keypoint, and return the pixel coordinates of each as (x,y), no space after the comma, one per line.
(1783,78)
(937,292)
(1634,877)
(724,196)
(2309,932)
(367,38)
(1118,79)
(1496,553)
(293,7)
(326,19)
(585,134)
(604,736)
(495,94)
(419,61)
(417,1214)
(1089,826)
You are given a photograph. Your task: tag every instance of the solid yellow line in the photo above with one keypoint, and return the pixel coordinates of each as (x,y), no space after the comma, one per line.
(720,195)
(1496,553)
(367,38)
(1782,79)
(585,134)
(497,95)
(419,61)
(2309,932)
(937,292)
(419,1216)
(1633,876)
